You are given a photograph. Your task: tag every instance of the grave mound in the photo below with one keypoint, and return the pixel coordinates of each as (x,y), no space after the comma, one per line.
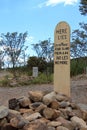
(42,111)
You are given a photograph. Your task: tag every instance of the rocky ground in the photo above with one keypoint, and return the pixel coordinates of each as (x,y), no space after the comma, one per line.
(33,110)
(42,111)
(78,90)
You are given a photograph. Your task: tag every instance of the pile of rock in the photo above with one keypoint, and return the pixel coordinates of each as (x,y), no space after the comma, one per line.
(40,111)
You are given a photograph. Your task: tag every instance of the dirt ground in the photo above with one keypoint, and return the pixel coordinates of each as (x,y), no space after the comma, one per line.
(78,91)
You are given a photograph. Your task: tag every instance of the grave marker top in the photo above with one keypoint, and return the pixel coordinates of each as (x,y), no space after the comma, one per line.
(62,58)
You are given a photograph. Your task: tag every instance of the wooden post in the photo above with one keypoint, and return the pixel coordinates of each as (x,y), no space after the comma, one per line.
(62,58)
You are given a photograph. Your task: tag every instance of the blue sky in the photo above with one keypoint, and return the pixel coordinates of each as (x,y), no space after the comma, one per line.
(38,17)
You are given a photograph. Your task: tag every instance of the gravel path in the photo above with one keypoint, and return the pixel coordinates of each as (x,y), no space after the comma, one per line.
(78,91)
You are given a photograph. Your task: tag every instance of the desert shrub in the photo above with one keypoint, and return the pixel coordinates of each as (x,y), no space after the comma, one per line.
(4,82)
(37,62)
(77,66)
(43,79)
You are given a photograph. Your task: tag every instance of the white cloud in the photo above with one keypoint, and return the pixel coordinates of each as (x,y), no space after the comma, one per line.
(56,2)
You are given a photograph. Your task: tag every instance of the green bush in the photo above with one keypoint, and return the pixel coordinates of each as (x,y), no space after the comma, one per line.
(43,79)
(77,66)
(4,83)
(37,62)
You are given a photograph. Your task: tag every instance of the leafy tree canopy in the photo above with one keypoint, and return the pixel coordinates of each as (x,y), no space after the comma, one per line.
(79,42)
(37,62)
(13,45)
(44,49)
(83,7)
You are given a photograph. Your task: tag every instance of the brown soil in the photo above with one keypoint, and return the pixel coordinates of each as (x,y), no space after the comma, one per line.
(78,91)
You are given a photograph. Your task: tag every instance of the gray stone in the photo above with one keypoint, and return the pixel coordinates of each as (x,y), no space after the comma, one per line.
(18,122)
(35,96)
(54,123)
(64,113)
(78,122)
(69,112)
(47,99)
(33,116)
(40,108)
(83,128)
(50,113)
(84,115)
(3,111)
(74,106)
(3,121)
(54,104)
(61,97)
(12,114)
(78,113)
(43,120)
(13,104)
(64,104)
(36,125)
(24,102)
(35,105)
(82,106)
(51,128)
(8,126)
(26,111)
(62,128)
(66,123)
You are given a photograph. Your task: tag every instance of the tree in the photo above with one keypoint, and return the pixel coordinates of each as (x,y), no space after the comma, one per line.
(37,62)
(1,58)
(79,49)
(79,42)
(83,7)
(44,49)
(14,45)
(2,54)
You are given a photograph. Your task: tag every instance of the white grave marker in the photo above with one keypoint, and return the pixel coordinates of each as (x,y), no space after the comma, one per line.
(62,58)
(35,71)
